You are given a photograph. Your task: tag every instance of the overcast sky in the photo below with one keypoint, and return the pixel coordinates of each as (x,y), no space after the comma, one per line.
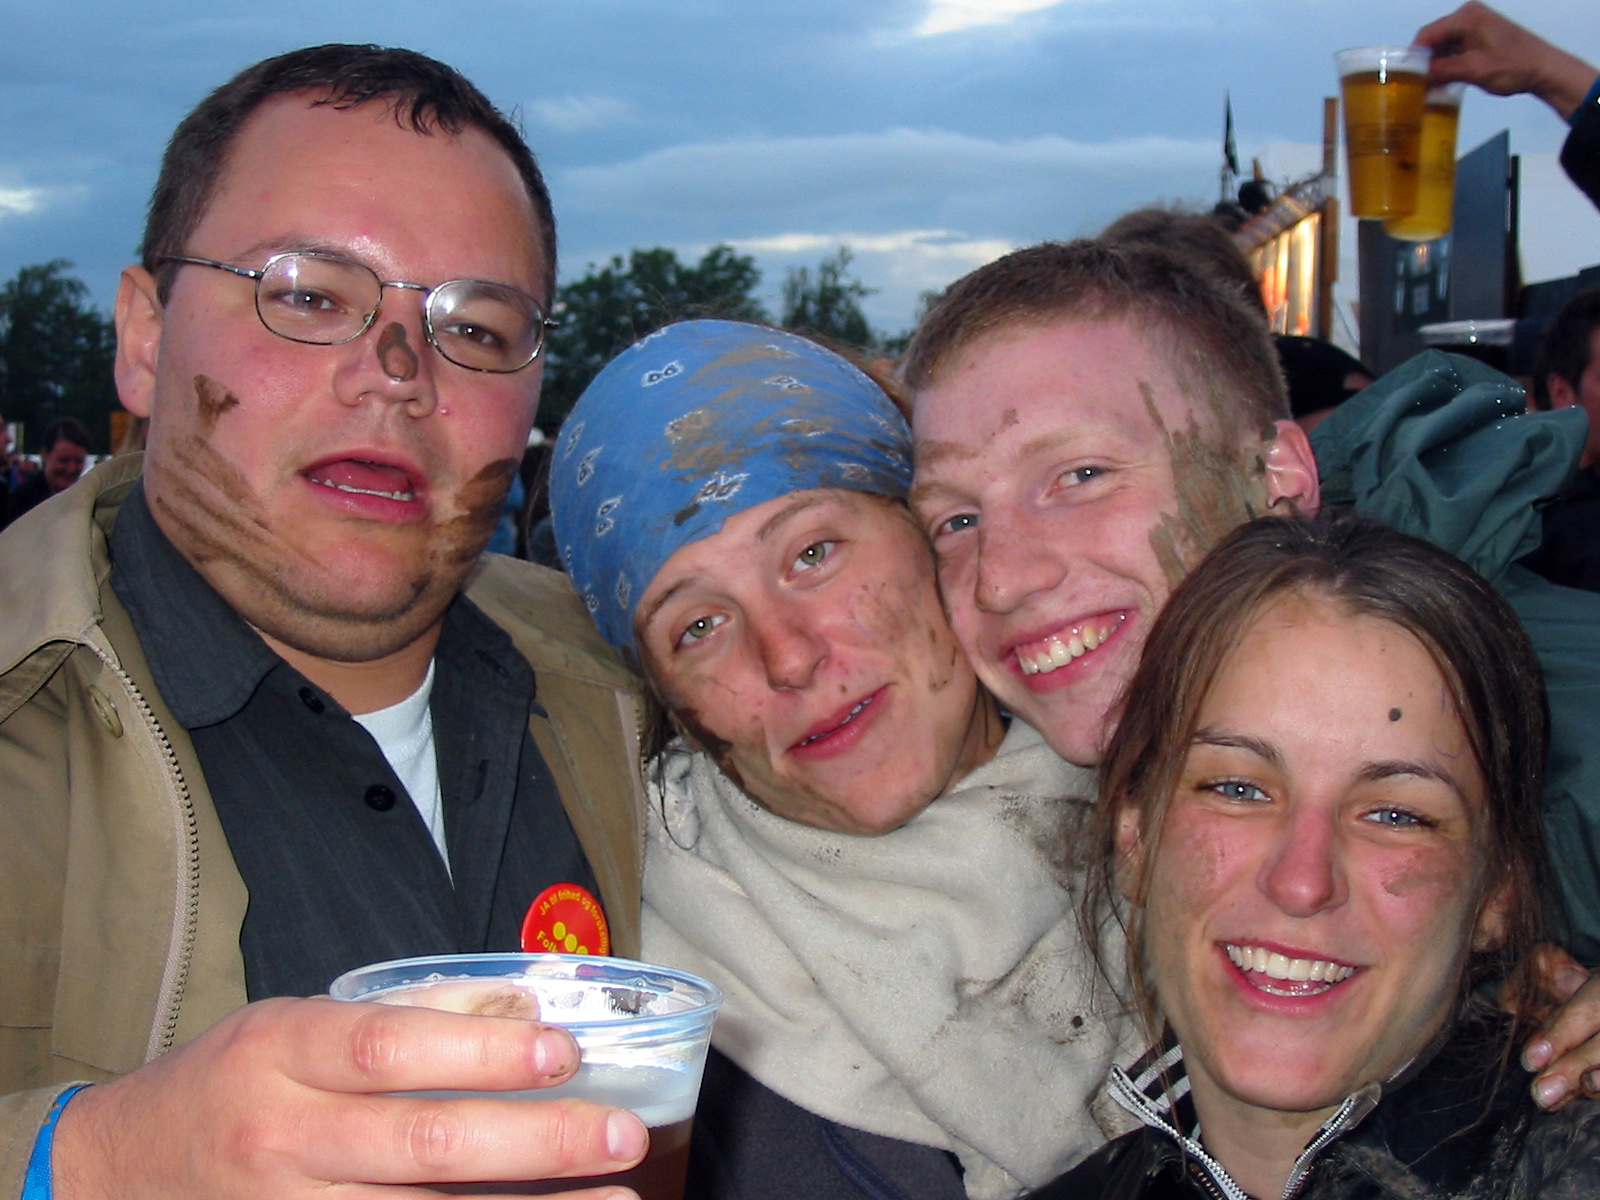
(929,135)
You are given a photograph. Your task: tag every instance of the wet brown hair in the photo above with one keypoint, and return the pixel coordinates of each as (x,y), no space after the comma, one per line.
(1217,347)
(424,95)
(1365,569)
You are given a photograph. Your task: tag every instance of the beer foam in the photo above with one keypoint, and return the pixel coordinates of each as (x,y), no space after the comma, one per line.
(1401,59)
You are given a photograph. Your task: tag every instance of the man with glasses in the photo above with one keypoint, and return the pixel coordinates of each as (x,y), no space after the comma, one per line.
(265,712)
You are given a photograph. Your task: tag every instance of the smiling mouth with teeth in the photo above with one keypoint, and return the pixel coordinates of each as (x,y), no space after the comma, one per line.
(1052,653)
(848,717)
(1288,976)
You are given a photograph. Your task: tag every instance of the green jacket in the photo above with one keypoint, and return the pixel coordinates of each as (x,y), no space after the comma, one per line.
(1441,447)
(120,905)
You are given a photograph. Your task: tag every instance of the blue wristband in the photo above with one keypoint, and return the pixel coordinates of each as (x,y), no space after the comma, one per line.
(36,1185)
(1592,98)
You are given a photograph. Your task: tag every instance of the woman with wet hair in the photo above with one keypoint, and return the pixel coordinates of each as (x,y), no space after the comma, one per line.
(1320,826)
(844,835)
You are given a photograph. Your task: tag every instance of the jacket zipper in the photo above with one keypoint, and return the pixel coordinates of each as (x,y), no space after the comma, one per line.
(186,907)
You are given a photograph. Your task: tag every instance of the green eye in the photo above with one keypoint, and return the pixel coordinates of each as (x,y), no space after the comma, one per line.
(814,554)
(699,628)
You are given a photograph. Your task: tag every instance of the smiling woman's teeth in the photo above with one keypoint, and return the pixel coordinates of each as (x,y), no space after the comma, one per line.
(848,717)
(1273,965)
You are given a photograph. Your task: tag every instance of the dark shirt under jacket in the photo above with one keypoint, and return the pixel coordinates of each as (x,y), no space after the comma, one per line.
(30,493)
(1569,550)
(340,867)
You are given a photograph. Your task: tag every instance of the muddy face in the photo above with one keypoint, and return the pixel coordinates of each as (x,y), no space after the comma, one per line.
(804,648)
(1317,883)
(1068,479)
(337,496)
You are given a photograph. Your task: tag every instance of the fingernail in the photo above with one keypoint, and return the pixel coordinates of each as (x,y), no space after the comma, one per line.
(1547,1091)
(1591,1084)
(1536,1054)
(552,1052)
(626,1137)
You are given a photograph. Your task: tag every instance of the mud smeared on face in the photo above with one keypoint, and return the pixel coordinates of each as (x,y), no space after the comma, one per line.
(212,400)
(462,538)
(1435,869)
(1214,493)
(281,584)
(398,359)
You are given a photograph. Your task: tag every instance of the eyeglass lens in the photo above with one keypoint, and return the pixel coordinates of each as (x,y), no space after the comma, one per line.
(327,300)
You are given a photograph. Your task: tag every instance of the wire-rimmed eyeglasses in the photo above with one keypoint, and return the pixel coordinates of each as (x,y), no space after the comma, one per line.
(326,299)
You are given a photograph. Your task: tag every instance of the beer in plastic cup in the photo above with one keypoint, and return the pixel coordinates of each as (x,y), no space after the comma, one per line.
(1436,172)
(643,1031)
(1383,90)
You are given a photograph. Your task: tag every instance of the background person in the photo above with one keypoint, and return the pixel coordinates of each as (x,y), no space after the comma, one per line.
(1567,375)
(64,451)
(265,713)
(844,843)
(1321,809)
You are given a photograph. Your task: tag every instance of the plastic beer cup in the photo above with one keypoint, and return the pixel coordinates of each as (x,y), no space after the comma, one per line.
(1436,171)
(643,1032)
(1383,90)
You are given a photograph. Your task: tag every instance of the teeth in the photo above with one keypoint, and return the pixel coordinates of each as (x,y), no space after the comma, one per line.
(1293,970)
(355,491)
(1057,653)
(848,717)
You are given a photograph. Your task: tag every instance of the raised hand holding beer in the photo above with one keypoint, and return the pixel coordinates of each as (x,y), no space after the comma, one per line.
(1477,45)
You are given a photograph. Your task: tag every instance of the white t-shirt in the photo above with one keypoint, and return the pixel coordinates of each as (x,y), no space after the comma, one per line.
(404,732)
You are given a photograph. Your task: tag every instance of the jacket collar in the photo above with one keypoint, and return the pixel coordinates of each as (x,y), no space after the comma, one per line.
(1156,1091)
(56,561)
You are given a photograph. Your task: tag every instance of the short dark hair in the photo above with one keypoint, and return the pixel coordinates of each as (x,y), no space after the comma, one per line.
(1209,336)
(1200,238)
(64,429)
(1564,349)
(423,93)
(1365,569)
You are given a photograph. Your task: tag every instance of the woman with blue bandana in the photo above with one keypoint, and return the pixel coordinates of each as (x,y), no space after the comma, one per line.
(845,837)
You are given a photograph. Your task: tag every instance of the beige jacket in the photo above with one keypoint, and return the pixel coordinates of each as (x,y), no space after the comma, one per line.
(120,905)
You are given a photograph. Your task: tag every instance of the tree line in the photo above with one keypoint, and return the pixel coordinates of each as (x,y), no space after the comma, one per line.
(57,349)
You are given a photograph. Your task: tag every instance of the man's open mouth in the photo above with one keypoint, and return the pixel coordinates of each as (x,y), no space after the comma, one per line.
(361,477)
(835,726)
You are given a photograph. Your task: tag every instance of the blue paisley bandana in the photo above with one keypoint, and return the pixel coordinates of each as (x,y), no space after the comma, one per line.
(697,423)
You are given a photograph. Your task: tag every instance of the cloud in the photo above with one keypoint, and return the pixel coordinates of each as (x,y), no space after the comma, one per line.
(20,201)
(572,114)
(761,181)
(951,16)
(918,207)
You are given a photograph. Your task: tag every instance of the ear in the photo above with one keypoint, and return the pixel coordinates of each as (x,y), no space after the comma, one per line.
(1489,933)
(1130,851)
(1562,393)
(1292,480)
(138,321)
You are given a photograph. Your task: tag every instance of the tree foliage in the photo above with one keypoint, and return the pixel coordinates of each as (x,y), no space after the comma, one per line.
(828,303)
(56,353)
(610,308)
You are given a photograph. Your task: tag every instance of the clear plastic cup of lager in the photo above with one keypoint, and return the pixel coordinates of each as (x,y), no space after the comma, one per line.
(1383,90)
(643,1032)
(1436,169)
